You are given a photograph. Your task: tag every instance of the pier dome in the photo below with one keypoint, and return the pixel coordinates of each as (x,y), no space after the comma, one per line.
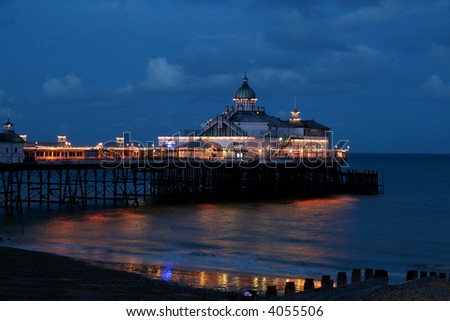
(245,97)
(245,91)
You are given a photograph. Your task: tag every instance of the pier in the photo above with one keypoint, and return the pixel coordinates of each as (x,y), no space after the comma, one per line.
(83,185)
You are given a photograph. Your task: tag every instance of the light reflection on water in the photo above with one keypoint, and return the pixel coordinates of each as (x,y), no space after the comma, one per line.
(211,280)
(234,246)
(252,244)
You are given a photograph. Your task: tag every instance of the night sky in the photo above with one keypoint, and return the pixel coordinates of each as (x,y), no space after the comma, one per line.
(376,72)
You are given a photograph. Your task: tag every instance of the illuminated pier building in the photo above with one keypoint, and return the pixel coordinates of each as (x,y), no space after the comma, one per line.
(62,150)
(242,131)
(246,130)
(11,145)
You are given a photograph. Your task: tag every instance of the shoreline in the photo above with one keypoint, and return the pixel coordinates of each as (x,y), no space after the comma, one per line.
(27,275)
(37,276)
(214,280)
(198,278)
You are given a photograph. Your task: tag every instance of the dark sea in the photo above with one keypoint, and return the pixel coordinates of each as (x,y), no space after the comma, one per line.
(249,245)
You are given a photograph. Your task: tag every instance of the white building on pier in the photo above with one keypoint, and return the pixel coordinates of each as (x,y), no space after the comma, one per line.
(246,130)
(11,145)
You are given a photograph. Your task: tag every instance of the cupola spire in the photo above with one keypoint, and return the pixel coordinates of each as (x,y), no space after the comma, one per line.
(8,126)
(294,113)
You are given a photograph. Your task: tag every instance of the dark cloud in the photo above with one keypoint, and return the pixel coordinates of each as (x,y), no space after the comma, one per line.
(204,2)
(7,14)
(287,26)
(4,3)
(295,35)
(358,3)
(391,25)
(346,71)
(166,78)
(70,90)
(5,98)
(178,62)
(313,9)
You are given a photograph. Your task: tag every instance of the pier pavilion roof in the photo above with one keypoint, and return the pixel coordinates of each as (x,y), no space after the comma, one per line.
(309,124)
(247,119)
(245,91)
(257,117)
(10,136)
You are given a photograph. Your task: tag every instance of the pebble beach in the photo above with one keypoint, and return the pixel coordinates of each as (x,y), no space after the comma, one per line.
(30,275)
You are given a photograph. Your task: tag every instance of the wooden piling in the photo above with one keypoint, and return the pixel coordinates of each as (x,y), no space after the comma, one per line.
(289,288)
(271,291)
(442,275)
(423,274)
(326,281)
(411,275)
(341,279)
(309,284)
(380,274)
(77,186)
(368,274)
(356,275)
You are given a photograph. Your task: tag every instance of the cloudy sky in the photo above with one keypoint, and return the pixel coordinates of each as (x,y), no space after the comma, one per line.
(377,72)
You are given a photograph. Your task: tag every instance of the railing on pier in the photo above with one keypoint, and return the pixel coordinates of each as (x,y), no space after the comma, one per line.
(82,185)
(355,182)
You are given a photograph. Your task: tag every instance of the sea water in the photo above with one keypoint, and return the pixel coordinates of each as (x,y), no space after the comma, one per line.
(227,244)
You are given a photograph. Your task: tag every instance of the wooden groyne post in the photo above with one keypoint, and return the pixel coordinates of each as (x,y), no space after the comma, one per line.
(357,290)
(289,288)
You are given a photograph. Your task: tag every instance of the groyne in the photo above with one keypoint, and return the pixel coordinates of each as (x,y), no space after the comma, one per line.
(359,288)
